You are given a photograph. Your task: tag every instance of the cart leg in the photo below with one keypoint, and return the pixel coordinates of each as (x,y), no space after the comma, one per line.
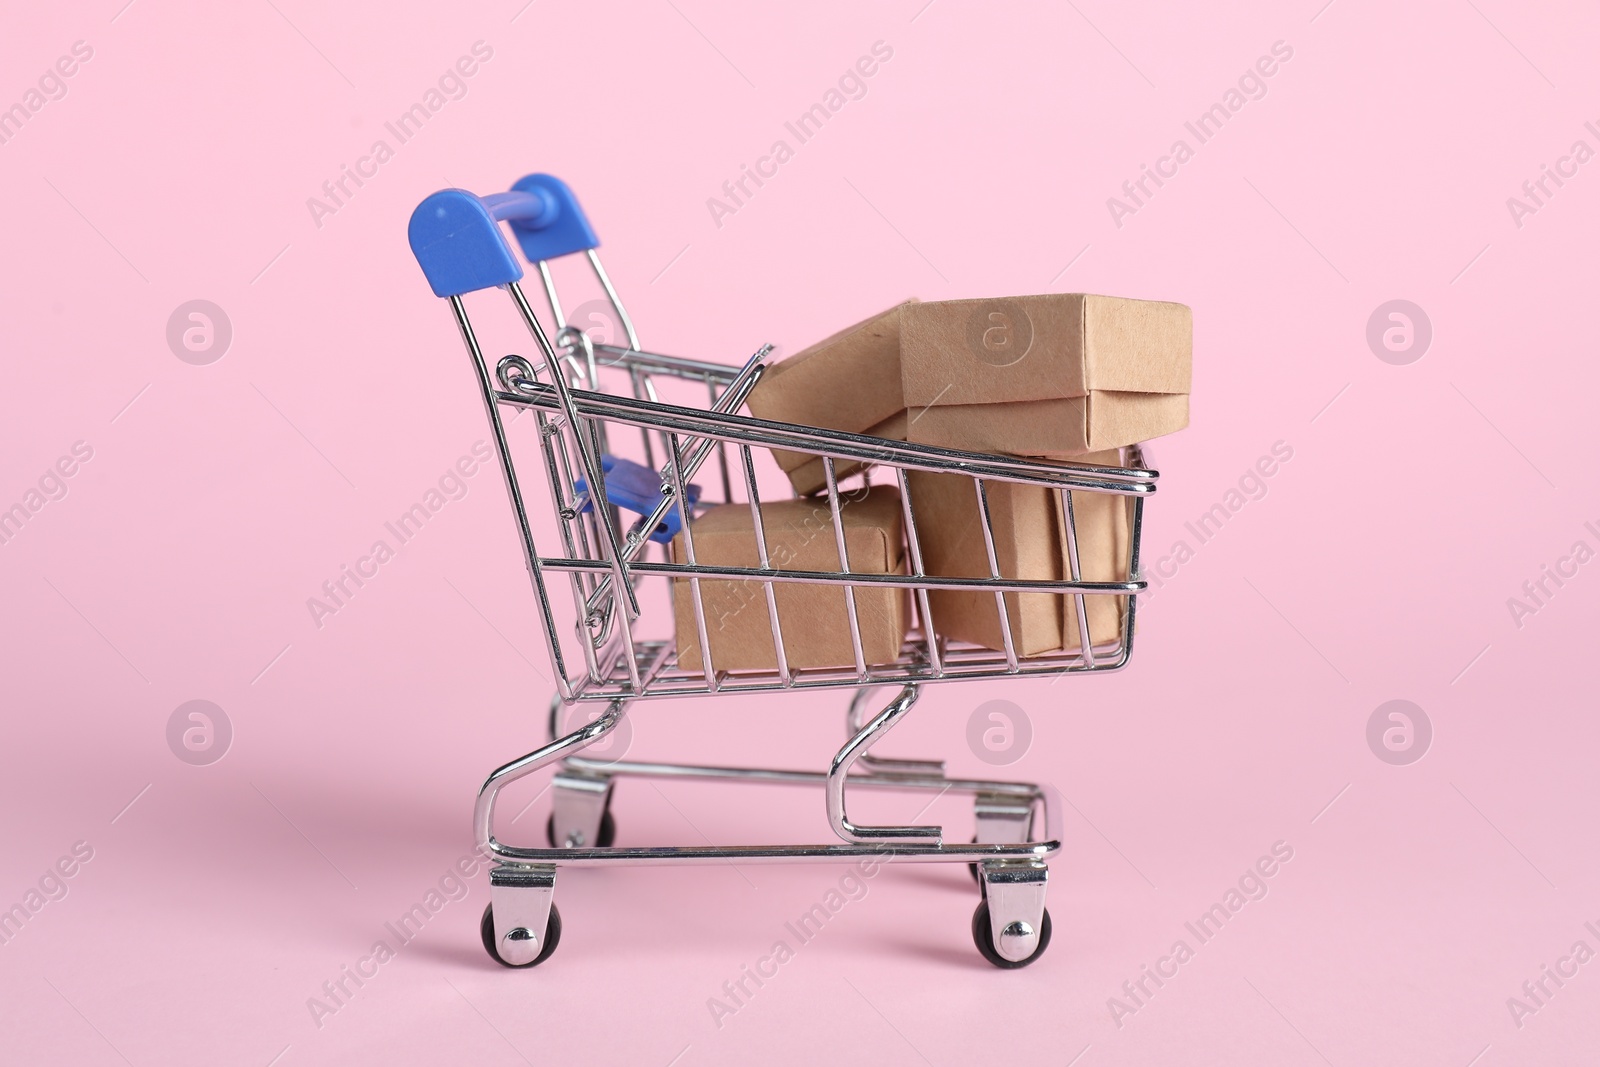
(853,723)
(580,804)
(521,926)
(839,775)
(522,917)
(1003,820)
(1011,926)
(576,741)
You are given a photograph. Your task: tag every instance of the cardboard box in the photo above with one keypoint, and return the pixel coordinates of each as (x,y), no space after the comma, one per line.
(1030,543)
(814,620)
(1067,428)
(849,381)
(1077,373)
(809,476)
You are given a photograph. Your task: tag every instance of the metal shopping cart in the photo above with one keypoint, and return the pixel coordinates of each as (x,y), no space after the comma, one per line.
(601,649)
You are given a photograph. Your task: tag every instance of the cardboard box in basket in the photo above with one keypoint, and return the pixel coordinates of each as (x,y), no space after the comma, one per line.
(849,381)
(1053,376)
(815,624)
(1030,542)
(1076,373)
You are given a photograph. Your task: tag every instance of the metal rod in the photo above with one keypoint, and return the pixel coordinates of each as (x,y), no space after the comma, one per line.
(591,462)
(839,771)
(1132,602)
(530,553)
(760,527)
(724,426)
(738,855)
(987,523)
(982,666)
(616,301)
(673,460)
(1069,517)
(896,581)
(722,451)
(844,566)
(679,365)
(560,478)
(905,781)
(576,741)
(914,547)
(637,377)
(925,770)
(550,294)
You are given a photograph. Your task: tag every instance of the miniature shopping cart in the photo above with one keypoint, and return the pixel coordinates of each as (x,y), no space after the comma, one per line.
(603,651)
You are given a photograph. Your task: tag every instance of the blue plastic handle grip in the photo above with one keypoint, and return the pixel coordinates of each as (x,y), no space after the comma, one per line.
(457,240)
(532,208)
(559,229)
(459,246)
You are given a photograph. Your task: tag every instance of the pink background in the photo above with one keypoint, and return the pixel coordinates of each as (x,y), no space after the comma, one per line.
(219,498)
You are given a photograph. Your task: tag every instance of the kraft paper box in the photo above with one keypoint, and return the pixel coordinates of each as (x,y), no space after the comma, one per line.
(809,476)
(816,628)
(849,381)
(1030,543)
(1077,373)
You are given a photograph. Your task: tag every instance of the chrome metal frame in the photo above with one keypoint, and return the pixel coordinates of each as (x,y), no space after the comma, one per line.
(605,567)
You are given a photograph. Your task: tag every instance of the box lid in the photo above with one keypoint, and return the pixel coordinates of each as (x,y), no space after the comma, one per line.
(1047,347)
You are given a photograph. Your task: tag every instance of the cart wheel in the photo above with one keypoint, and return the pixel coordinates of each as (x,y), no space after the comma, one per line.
(983,937)
(552,937)
(608,831)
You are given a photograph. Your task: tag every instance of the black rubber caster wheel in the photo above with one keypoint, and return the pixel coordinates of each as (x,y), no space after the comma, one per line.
(608,831)
(552,937)
(983,937)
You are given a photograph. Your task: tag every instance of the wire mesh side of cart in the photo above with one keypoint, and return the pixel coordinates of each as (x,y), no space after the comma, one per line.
(600,643)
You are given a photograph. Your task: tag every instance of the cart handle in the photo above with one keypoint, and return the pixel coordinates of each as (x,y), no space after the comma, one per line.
(546,219)
(457,240)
